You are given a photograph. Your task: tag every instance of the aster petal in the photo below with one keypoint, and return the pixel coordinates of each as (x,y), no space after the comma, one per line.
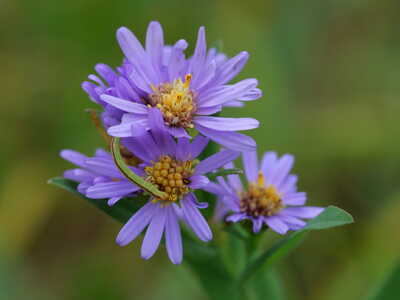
(299,198)
(220,211)
(226,124)
(195,219)
(203,111)
(89,88)
(102,153)
(234,103)
(130,45)
(74,157)
(103,166)
(199,55)
(101,179)
(155,43)
(227,93)
(78,175)
(200,205)
(198,182)
(228,139)
(128,129)
(135,53)
(83,186)
(231,68)
(251,95)
(288,185)
(216,161)
(113,200)
(206,76)
(143,84)
(293,222)
(197,146)
(143,147)
(106,72)
(232,202)
(154,232)
(214,188)
(111,189)
(177,60)
(268,163)
(183,149)
(281,170)
(136,224)
(250,164)
(237,217)
(257,224)
(178,132)
(276,224)
(161,136)
(234,179)
(125,105)
(304,212)
(173,239)
(96,79)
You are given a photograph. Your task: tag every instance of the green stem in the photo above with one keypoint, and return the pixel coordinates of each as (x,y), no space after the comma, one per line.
(129,174)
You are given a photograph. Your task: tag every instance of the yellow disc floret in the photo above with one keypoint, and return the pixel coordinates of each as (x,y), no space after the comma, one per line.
(259,199)
(170,176)
(176,102)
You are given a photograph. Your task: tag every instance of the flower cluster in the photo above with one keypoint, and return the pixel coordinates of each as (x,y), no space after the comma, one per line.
(164,107)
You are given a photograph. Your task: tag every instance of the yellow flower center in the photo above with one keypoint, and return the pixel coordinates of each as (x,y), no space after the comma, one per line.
(260,200)
(176,102)
(170,176)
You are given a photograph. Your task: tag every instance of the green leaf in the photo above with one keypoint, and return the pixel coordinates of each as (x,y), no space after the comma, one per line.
(206,264)
(121,211)
(390,288)
(233,252)
(224,172)
(331,217)
(129,174)
(202,258)
(265,285)
(237,230)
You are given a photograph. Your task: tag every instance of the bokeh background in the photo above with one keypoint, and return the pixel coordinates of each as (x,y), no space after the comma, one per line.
(330,75)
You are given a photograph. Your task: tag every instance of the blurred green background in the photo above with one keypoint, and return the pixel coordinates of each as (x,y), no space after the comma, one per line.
(330,75)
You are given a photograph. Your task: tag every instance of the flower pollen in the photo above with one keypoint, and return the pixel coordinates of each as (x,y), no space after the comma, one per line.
(260,200)
(170,176)
(176,102)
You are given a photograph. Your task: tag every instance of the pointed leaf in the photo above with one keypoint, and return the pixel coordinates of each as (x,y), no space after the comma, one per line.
(121,211)
(331,217)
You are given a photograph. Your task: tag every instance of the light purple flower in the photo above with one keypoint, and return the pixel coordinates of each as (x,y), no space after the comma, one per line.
(99,177)
(186,90)
(271,197)
(171,166)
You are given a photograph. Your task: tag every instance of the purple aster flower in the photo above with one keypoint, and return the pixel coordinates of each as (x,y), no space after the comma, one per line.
(271,197)
(99,171)
(172,167)
(187,91)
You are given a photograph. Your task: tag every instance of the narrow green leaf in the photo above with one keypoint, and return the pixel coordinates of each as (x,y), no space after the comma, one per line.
(331,217)
(121,211)
(224,172)
(202,258)
(237,230)
(265,285)
(206,264)
(129,174)
(232,250)
(389,289)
